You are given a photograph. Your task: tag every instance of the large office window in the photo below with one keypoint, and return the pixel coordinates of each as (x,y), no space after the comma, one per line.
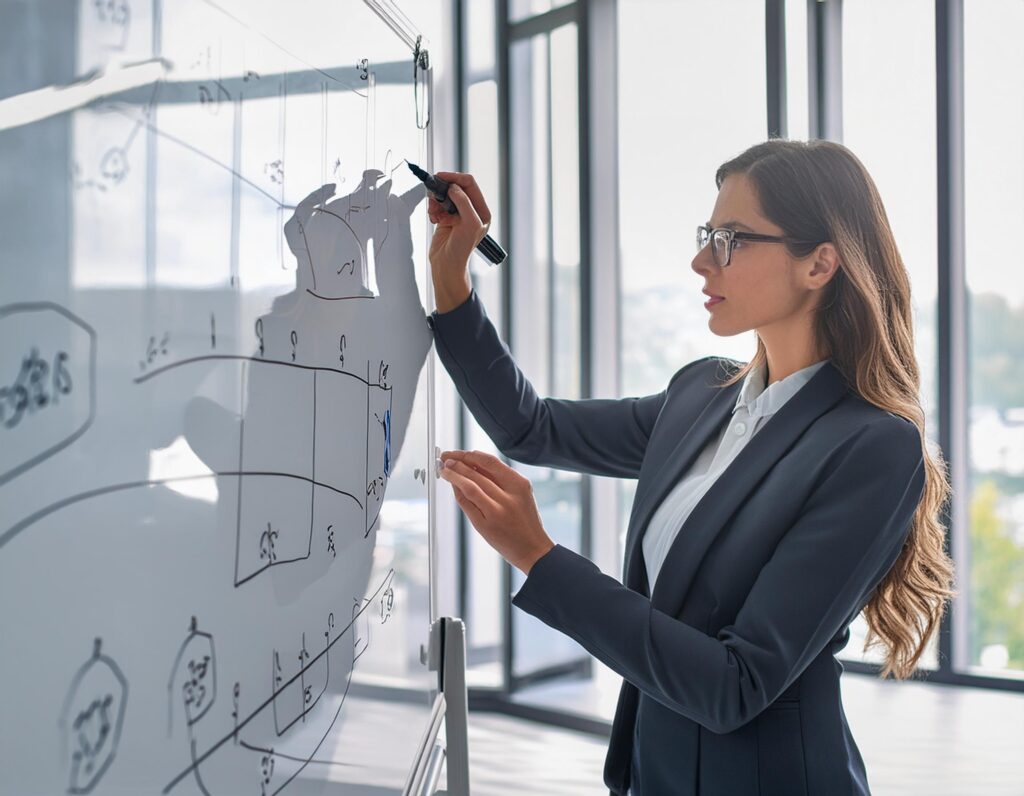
(893,45)
(482,606)
(545,278)
(685,107)
(673,129)
(993,579)
(507,648)
(523,9)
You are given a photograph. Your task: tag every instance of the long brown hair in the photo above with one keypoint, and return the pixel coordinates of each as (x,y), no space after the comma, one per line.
(820,191)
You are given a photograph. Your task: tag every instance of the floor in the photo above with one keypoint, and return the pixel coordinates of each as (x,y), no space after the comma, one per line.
(917,738)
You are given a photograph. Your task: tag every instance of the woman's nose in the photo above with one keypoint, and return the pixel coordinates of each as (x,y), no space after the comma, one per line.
(703,262)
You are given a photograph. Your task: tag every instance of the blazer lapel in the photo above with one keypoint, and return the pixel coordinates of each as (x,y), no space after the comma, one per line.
(682,456)
(731,488)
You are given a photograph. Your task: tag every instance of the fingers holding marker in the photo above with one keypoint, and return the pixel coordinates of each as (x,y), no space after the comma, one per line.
(469,186)
(465,207)
(436,212)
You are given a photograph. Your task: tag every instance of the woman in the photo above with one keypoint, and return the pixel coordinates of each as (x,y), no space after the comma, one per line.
(776,498)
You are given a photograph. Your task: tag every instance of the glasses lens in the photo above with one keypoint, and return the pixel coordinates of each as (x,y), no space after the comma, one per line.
(702,237)
(720,247)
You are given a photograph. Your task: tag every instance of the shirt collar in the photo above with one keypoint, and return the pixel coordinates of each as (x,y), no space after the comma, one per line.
(761,402)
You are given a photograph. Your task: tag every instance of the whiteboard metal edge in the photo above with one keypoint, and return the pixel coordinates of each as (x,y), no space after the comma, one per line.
(396,20)
(414,781)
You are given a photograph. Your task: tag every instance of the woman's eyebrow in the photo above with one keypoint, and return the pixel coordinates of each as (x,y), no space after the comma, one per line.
(731,225)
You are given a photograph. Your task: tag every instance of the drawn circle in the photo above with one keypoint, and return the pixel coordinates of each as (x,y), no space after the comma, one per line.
(114,165)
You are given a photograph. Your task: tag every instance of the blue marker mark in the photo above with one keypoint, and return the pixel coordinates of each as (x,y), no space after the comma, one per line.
(387,443)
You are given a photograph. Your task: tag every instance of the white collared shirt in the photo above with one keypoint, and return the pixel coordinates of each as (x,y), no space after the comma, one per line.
(753,407)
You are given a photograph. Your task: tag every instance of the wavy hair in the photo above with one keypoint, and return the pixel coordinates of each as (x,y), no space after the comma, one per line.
(820,191)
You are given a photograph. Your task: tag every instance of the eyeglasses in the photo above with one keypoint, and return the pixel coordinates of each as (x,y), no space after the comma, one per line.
(722,241)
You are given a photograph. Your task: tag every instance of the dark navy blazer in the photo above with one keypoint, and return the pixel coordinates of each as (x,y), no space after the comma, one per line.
(730,681)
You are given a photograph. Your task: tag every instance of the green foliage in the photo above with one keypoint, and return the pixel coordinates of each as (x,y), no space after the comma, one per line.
(996,352)
(996,579)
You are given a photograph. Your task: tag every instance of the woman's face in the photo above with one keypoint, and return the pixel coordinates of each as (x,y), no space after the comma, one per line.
(762,284)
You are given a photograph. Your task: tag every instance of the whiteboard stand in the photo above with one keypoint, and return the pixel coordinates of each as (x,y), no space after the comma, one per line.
(446,656)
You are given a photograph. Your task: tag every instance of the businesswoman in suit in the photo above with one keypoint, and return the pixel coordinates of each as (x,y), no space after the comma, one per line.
(776,498)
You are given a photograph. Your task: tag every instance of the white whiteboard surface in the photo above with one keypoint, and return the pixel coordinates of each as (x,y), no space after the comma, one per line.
(216,456)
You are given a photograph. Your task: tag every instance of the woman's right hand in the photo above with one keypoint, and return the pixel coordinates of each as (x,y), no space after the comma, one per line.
(455,238)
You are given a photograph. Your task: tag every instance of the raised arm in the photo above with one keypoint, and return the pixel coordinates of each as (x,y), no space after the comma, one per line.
(596,436)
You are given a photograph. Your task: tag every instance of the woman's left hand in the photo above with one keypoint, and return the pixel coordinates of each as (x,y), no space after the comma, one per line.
(499,502)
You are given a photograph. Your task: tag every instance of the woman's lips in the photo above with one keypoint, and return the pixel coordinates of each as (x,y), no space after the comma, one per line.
(712,302)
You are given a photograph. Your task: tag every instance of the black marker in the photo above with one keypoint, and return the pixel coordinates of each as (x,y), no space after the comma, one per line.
(488,247)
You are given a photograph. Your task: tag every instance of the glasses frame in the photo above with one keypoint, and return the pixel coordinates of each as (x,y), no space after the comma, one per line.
(734,235)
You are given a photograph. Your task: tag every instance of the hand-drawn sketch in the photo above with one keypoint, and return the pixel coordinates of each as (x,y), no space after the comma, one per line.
(37,416)
(92,718)
(213,412)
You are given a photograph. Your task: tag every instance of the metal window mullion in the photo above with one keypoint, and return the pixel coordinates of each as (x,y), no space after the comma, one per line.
(584,265)
(775,66)
(461,426)
(541,23)
(501,54)
(952,366)
(825,69)
(601,299)
(549,243)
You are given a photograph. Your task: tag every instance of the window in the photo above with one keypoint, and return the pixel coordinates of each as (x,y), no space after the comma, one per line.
(670,144)
(992,581)
(893,44)
(546,333)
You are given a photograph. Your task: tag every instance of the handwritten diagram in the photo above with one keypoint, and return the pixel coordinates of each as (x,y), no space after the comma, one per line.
(214,430)
(36,412)
(92,718)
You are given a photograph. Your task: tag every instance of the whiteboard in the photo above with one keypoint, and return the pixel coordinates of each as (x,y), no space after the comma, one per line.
(216,461)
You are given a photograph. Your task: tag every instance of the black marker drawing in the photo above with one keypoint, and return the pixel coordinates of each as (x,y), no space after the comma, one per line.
(295,687)
(293,702)
(39,379)
(193,681)
(117,16)
(115,164)
(155,350)
(211,95)
(285,498)
(91,719)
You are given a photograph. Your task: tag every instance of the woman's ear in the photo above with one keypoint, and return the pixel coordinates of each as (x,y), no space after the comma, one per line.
(824,265)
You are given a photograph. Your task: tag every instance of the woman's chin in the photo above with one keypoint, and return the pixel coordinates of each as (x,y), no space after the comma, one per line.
(721,329)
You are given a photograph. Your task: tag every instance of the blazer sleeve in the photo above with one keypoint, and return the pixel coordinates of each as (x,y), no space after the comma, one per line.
(597,436)
(820,575)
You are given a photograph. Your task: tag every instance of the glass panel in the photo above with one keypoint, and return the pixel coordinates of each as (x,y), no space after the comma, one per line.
(893,44)
(668,152)
(565,213)
(796,69)
(522,9)
(669,149)
(480,37)
(545,276)
(484,600)
(994,581)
